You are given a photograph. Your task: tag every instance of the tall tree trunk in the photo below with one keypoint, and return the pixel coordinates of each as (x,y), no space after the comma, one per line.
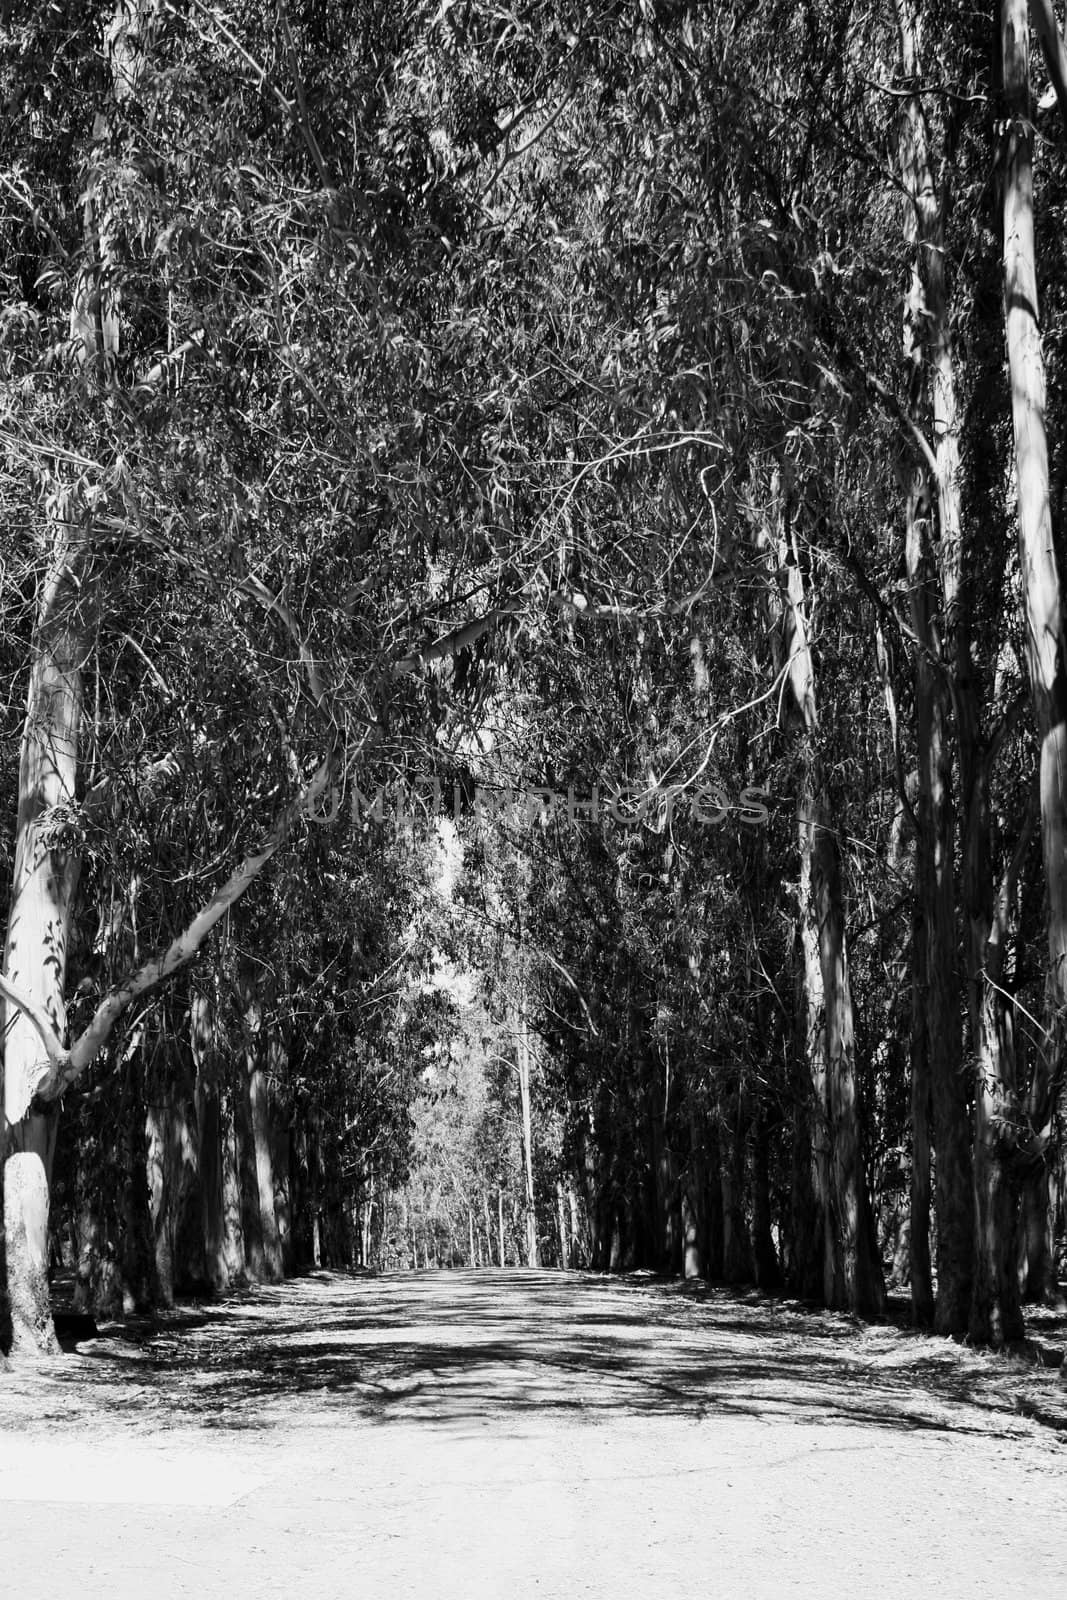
(561,1214)
(663,1191)
(1046,642)
(814,1011)
(996,1312)
(46,841)
(939,651)
(523,1062)
(852,1269)
(1001,1134)
(35,953)
(935,891)
(855,1242)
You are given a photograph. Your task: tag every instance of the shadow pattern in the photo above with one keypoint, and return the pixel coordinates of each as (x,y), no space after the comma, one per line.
(471,1347)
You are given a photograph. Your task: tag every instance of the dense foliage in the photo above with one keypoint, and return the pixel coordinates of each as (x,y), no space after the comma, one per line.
(512,398)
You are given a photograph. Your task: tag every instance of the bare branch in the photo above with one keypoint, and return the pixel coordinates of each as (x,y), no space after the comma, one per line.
(67,1066)
(561,969)
(452,643)
(570,601)
(165,364)
(34,1014)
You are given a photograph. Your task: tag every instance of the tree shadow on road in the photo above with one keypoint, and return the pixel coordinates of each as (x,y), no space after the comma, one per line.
(469,1348)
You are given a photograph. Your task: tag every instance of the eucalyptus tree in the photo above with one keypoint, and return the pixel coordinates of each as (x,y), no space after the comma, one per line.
(259,409)
(187,436)
(385,381)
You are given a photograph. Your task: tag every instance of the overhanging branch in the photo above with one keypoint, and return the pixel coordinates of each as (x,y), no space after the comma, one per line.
(66,1066)
(35,1015)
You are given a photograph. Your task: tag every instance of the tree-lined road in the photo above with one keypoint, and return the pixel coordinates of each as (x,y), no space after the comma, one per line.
(491,1434)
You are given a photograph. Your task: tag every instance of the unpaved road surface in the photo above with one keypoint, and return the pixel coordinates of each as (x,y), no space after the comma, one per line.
(528,1434)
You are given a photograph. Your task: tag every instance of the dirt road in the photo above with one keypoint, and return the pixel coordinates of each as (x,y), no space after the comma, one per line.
(511,1434)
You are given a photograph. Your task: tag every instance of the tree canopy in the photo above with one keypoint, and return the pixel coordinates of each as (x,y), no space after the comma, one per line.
(533,660)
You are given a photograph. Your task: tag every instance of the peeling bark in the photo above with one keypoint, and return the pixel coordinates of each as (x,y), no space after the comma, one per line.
(852,1272)
(1003,1129)
(35,953)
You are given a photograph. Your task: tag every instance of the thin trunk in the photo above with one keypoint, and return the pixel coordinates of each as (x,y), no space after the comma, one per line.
(523,1057)
(793,657)
(919,1273)
(488,1229)
(804,1265)
(768,1270)
(694,1186)
(590,1176)
(282,1143)
(579,1253)
(814,1011)
(251,1227)
(500,1225)
(736,1241)
(714,1226)
(996,1312)
(233,1237)
(855,1243)
(317,1200)
(561,1216)
(209,1119)
(367,1229)
(268,1265)
(935,894)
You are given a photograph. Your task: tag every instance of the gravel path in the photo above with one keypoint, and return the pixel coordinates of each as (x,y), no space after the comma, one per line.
(511,1434)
